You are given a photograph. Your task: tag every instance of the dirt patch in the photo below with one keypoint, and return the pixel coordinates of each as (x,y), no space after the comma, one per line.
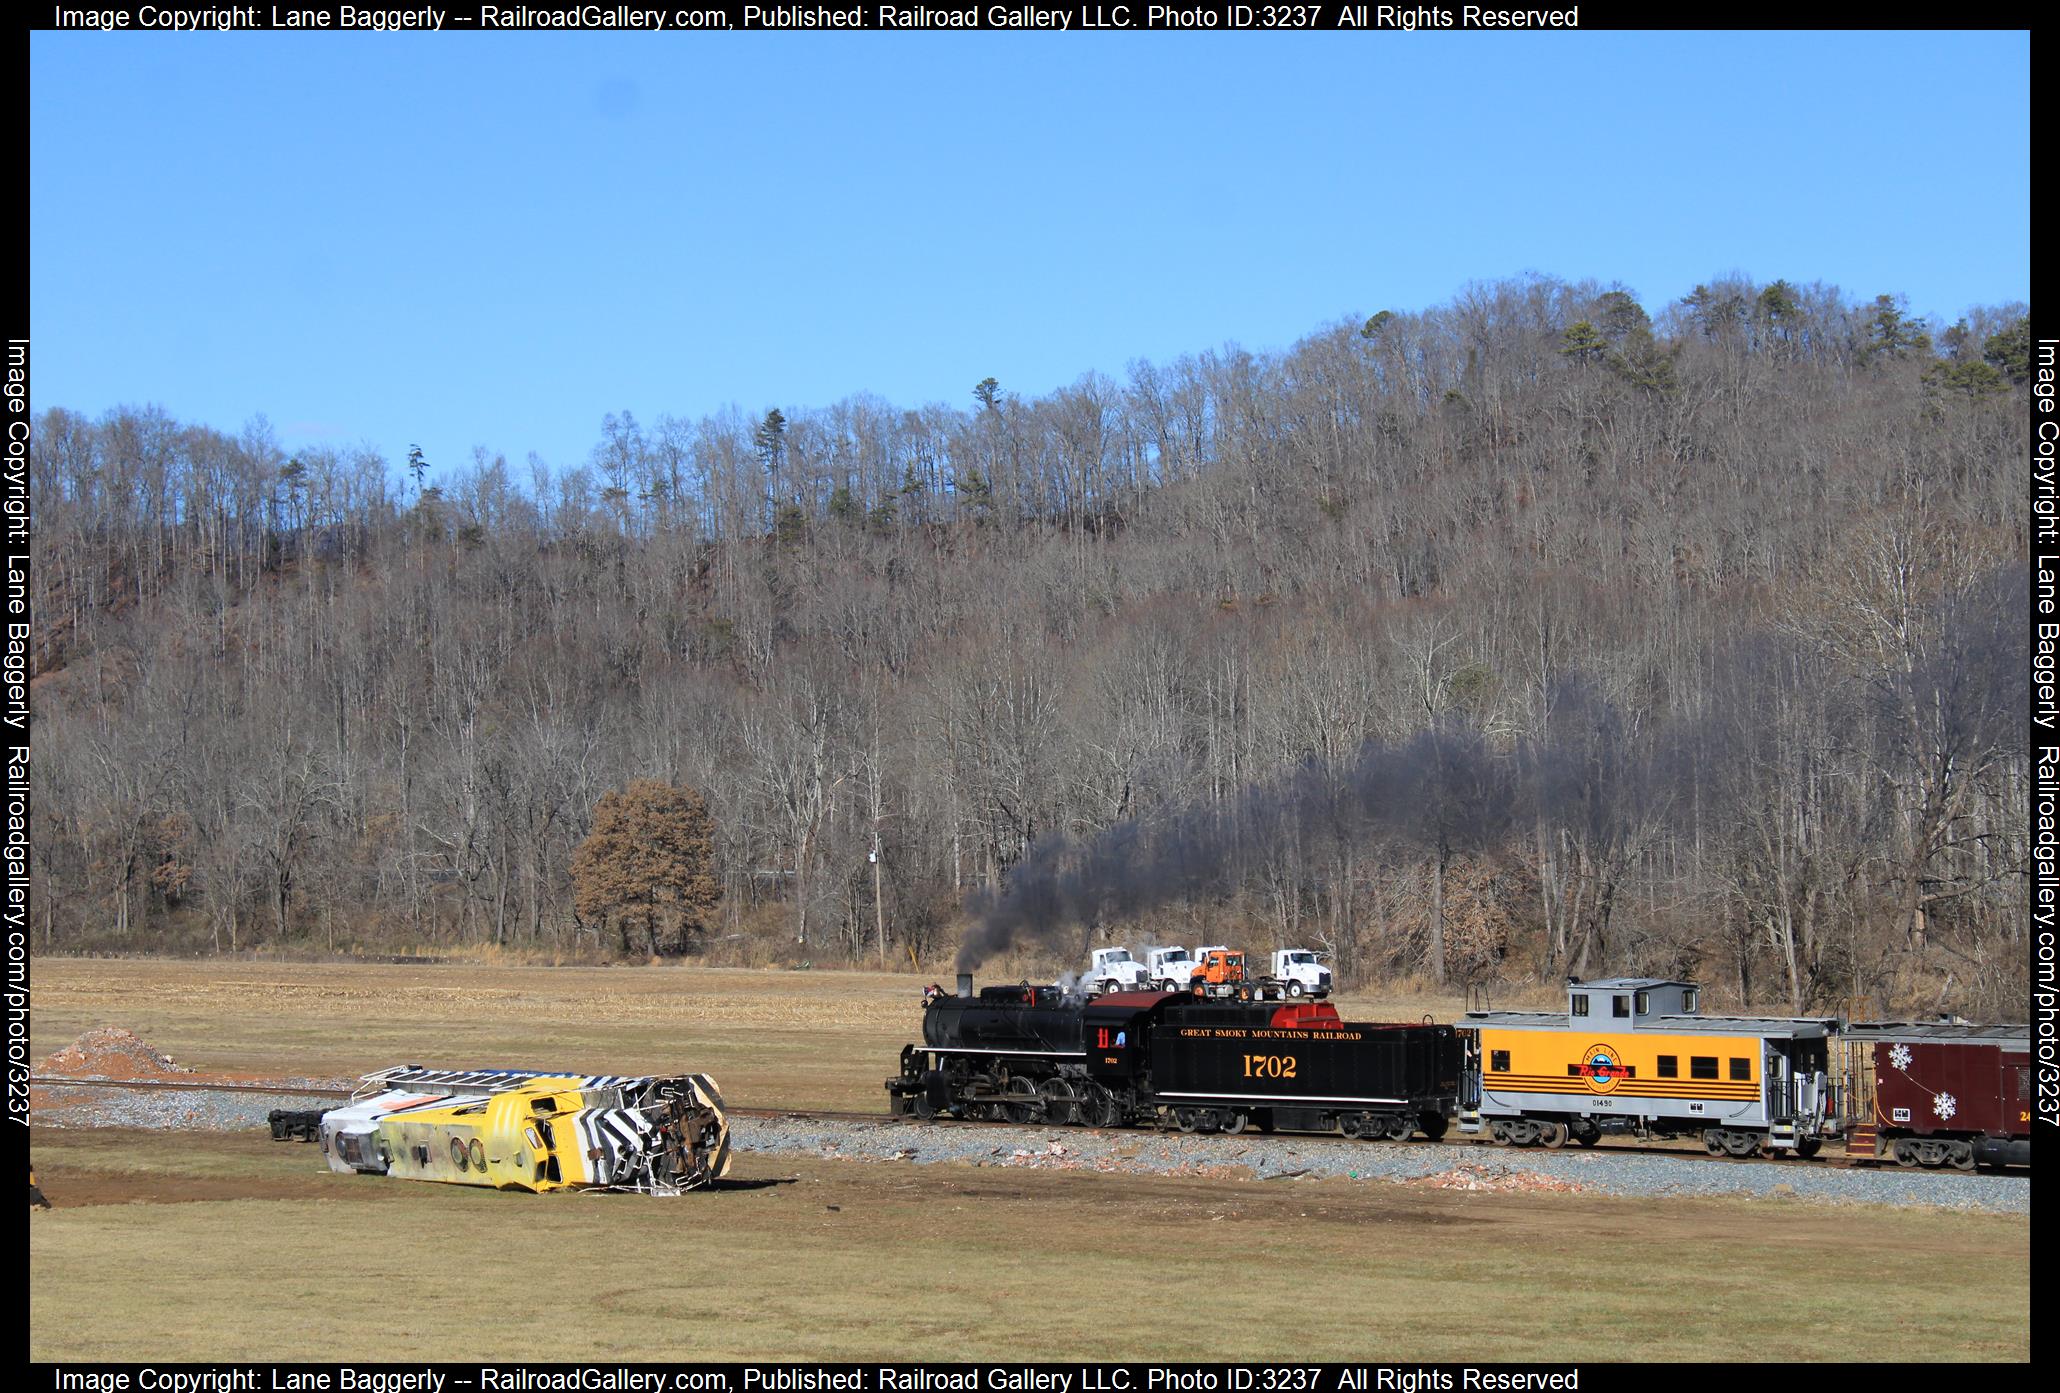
(110,1052)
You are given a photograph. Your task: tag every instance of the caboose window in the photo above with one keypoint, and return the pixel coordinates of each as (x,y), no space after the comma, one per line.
(1620,1006)
(1741,1071)
(1670,1066)
(1498,1061)
(1689,998)
(1702,1066)
(1581,1003)
(1644,1002)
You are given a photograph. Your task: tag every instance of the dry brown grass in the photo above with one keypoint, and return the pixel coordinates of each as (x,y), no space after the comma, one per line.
(207,1247)
(771,1038)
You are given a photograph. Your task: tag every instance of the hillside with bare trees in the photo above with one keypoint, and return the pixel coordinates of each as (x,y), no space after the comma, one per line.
(1528,635)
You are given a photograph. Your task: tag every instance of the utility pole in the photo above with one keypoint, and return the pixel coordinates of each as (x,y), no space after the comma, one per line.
(879,900)
(879,904)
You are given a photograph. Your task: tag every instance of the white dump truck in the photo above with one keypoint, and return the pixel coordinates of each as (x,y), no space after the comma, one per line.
(1114,970)
(1299,973)
(1169,969)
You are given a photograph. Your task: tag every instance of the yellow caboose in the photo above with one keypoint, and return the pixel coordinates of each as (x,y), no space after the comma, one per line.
(1635,1054)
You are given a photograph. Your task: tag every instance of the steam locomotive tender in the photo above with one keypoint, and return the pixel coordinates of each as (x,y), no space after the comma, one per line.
(1037,1054)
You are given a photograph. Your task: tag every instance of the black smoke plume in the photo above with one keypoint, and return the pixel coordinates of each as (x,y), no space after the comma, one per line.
(1441,786)
(1607,773)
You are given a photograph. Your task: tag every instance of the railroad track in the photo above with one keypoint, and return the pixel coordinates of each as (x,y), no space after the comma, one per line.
(1822,1161)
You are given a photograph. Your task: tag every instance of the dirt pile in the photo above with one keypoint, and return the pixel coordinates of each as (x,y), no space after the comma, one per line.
(110,1052)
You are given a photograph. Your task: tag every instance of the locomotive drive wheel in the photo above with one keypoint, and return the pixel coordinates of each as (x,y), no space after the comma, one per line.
(1021,1101)
(924,1108)
(1061,1103)
(1103,1108)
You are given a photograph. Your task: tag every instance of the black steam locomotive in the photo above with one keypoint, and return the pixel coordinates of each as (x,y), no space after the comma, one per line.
(1039,1054)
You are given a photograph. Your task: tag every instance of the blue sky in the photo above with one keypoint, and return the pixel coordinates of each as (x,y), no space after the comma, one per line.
(495,239)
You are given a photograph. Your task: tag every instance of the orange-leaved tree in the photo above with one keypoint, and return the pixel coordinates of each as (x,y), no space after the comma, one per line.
(648,866)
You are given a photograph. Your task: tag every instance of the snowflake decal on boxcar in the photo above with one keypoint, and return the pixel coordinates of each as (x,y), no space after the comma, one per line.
(1899,1055)
(1944,1105)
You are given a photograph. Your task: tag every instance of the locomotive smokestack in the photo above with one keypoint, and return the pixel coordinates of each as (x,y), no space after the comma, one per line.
(965,984)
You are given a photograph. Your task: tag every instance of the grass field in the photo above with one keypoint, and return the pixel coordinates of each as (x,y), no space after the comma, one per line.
(204,1246)
(770,1038)
(232,1247)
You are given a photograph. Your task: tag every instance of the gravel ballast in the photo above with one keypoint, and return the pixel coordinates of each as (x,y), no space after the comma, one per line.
(1456,1167)
(174,1109)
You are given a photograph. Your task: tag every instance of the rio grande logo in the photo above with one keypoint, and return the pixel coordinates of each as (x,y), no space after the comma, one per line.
(1602,1069)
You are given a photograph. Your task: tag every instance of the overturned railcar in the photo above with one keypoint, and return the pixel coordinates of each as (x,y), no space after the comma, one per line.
(516,1129)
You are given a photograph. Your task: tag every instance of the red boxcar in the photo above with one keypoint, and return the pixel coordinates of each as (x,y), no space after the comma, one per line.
(1950,1095)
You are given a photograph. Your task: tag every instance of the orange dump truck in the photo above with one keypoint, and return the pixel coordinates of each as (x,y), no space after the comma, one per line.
(1220,972)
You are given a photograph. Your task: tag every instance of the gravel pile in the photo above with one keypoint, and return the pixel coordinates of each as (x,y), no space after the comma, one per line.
(1449,1167)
